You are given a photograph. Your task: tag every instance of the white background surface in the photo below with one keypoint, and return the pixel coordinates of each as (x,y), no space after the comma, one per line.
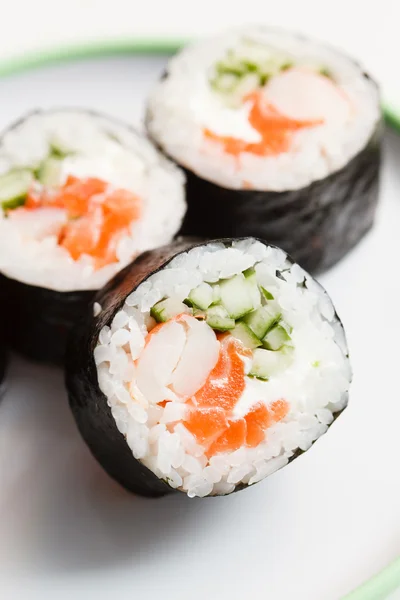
(312,531)
(368,30)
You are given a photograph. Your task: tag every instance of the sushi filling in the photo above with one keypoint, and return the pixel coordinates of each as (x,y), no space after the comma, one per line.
(79,197)
(221,366)
(262,105)
(86,215)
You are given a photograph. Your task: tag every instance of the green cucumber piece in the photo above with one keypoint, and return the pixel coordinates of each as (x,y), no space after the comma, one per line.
(49,172)
(253,69)
(325,72)
(202,296)
(58,152)
(243,333)
(236,69)
(218,318)
(224,83)
(264,78)
(235,296)
(267,363)
(216,294)
(267,295)
(261,321)
(167,309)
(251,279)
(14,187)
(276,338)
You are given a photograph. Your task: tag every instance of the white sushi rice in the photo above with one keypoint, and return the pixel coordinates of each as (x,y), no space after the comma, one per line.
(315,385)
(101,148)
(184,103)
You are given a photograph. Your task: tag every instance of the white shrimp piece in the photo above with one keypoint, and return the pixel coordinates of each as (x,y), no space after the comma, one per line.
(302,94)
(199,357)
(40,223)
(158,359)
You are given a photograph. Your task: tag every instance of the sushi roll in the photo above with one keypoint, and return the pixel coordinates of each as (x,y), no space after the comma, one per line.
(279,137)
(80,196)
(204,368)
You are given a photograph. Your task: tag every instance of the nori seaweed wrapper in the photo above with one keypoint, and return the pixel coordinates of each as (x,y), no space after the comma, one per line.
(39,319)
(3,365)
(317,224)
(88,403)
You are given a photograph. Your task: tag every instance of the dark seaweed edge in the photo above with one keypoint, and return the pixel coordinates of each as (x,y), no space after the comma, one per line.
(85,338)
(39,319)
(3,367)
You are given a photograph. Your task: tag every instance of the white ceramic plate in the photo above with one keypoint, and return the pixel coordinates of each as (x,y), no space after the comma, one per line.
(312,531)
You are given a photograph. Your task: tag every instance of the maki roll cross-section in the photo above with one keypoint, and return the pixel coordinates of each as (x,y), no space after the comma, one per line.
(80,196)
(280,138)
(204,368)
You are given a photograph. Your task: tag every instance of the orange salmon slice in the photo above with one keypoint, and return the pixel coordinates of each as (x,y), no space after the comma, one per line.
(206,424)
(257,419)
(232,439)
(210,420)
(226,381)
(98,218)
(274,128)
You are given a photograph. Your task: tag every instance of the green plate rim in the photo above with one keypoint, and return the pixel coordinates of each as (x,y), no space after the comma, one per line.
(380,585)
(27,61)
(388,579)
(392,116)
